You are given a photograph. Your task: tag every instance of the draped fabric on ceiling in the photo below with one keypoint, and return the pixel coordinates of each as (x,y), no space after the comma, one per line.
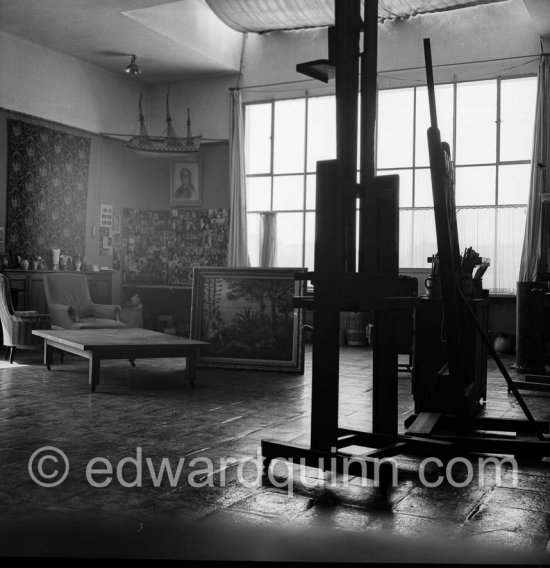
(238,250)
(268,15)
(531,254)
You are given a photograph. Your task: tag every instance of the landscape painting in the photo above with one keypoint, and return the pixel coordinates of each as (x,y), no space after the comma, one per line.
(247,316)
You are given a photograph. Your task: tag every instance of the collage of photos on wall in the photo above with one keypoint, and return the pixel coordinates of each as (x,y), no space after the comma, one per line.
(163,247)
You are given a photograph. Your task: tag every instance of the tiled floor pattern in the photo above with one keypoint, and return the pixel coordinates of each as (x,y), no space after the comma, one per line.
(216,505)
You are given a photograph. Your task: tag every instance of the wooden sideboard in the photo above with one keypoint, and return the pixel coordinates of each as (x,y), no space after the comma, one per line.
(27,287)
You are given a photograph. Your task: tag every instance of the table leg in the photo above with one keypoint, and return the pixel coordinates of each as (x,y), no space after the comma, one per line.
(48,355)
(192,356)
(93,372)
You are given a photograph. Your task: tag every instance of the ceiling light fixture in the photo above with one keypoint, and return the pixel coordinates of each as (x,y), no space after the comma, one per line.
(133,68)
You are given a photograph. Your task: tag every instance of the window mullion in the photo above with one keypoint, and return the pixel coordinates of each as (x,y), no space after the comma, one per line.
(304,179)
(455,91)
(498,123)
(272,152)
(414,148)
(497,166)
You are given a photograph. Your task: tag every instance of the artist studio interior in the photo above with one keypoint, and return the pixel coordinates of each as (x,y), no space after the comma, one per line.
(275,280)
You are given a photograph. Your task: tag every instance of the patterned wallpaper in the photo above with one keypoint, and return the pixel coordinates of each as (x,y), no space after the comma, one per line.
(46,191)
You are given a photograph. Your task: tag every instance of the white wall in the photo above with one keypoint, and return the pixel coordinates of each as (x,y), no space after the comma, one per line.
(208,101)
(50,85)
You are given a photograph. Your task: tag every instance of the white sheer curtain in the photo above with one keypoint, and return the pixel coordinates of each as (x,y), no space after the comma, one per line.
(238,250)
(268,239)
(494,232)
(530,257)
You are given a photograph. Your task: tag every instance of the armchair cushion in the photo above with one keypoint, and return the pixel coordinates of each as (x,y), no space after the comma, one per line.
(80,303)
(106,311)
(63,316)
(26,313)
(97,323)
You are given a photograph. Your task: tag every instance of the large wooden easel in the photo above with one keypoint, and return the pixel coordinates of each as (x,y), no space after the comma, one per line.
(341,286)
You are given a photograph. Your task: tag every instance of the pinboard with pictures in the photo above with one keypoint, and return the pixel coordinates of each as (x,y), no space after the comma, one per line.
(163,247)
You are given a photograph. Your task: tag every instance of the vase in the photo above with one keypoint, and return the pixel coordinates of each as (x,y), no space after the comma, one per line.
(56,253)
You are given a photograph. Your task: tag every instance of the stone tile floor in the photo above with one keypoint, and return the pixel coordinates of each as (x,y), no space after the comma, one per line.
(118,501)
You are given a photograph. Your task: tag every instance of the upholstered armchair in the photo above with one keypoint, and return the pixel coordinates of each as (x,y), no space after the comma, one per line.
(71,306)
(17,326)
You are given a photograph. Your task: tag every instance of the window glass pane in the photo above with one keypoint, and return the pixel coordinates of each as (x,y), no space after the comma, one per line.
(258,138)
(289,239)
(475,185)
(289,136)
(423,195)
(424,238)
(288,193)
(359,134)
(405,238)
(513,184)
(253,238)
(444,105)
(321,130)
(395,128)
(357,230)
(310,241)
(405,185)
(258,193)
(475,122)
(517,113)
(311,188)
(510,231)
(476,229)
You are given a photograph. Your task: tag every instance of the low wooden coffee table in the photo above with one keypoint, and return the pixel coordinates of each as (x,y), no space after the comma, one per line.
(132,344)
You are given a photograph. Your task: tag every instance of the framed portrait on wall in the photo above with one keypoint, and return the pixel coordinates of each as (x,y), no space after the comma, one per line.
(185,184)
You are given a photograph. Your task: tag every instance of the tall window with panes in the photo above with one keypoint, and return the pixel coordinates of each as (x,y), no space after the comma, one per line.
(488,125)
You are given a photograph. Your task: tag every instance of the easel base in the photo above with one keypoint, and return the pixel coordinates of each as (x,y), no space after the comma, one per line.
(489,436)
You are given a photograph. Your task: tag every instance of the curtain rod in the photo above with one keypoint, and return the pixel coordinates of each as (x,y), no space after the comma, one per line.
(397,70)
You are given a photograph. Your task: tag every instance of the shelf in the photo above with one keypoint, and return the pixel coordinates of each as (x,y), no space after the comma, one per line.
(162,286)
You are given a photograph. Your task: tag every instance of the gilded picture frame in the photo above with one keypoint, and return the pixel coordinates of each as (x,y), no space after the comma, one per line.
(247,316)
